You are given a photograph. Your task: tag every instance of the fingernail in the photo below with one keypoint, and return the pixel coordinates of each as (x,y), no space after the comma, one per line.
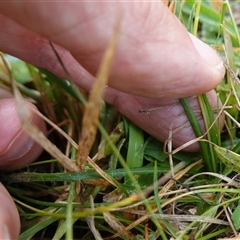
(207,53)
(5,233)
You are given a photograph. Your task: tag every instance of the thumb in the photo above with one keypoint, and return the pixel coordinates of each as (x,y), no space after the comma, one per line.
(16,147)
(156,57)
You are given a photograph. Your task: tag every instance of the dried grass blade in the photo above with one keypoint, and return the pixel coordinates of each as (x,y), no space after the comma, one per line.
(177,176)
(91,223)
(92,111)
(117,225)
(37,135)
(101,172)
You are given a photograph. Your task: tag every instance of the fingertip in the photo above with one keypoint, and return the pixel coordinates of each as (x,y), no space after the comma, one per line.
(211,57)
(207,53)
(17,148)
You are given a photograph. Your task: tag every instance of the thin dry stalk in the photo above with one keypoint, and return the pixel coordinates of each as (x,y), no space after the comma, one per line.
(39,136)
(92,111)
(116,225)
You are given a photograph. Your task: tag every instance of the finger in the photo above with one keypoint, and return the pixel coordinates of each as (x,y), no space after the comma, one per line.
(32,48)
(168,119)
(16,147)
(9,218)
(156,57)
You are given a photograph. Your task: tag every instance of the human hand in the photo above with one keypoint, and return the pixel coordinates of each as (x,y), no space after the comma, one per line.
(156,60)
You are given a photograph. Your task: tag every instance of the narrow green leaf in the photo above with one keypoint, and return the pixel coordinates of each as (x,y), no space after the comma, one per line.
(229,158)
(135,146)
(65,85)
(153,150)
(74,176)
(39,226)
(198,132)
(235,218)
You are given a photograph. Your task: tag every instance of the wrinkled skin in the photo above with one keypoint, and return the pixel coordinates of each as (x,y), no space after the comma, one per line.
(145,72)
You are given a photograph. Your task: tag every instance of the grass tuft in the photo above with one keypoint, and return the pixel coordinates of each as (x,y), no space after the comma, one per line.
(118,182)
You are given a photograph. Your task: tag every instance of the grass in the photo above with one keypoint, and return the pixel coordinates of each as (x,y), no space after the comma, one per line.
(122,187)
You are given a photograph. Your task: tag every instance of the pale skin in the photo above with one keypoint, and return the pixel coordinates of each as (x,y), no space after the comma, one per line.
(145,71)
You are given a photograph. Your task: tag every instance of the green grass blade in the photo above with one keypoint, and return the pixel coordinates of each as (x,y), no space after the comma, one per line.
(65,85)
(196,18)
(160,211)
(76,176)
(212,134)
(39,226)
(69,218)
(197,130)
